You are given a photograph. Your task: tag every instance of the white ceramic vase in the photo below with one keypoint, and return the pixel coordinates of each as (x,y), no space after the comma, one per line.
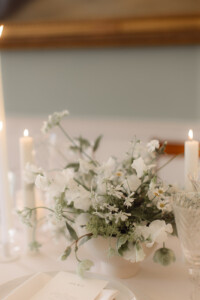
(114,266)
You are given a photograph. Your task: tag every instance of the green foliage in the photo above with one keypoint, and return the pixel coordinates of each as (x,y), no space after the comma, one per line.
(83,266)
(122,244)
(74,166)
(98,227)
(66,253)
(121,241)
(34,246)
(111,252)
(72,232)
(85,239)
(164,256)
(81,145)
(97,143)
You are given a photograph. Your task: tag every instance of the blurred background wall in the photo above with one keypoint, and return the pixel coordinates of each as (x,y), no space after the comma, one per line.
(136,83)
(120,92)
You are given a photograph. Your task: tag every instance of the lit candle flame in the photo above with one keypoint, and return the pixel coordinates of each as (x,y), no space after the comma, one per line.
(190,134)
(1,125)
(1,30)
(26,133)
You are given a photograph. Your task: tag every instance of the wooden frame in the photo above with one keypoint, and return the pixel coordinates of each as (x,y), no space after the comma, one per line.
(137,31)
(174,148)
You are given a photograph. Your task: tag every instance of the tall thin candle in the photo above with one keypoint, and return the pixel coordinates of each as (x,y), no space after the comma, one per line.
(5,199)
(26,156)
(191,161)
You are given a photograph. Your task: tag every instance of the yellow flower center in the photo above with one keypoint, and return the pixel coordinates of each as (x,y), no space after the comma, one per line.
(119,174)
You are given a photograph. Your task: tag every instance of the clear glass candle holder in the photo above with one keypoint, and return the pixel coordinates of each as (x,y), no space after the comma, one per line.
(187,215)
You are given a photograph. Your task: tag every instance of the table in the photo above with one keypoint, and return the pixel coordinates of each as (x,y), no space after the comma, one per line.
(153,282)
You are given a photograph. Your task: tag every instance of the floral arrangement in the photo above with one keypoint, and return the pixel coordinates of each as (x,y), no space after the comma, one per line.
(123,198)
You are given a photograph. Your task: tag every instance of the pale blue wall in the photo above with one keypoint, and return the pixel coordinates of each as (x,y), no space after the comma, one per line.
(157,82)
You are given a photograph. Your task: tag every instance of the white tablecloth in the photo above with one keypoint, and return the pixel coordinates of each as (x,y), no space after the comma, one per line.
(153,282)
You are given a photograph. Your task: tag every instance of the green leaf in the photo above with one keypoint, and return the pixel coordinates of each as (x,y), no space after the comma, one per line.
(83,142)
(123,248)
(121,241)
(66,253)
(83,266)
(122,244)
(97,143)
(111,252)
(74,166)
(72,232)
(75,148)
(85,239)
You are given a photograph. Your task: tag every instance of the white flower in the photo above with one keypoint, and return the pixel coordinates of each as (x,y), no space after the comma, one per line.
(121,216)
(132,183)
(56,183)
(106,216)
(139,166)
(111,208)
(156,190)
(139,150)
(59,182)
(107,169)
(85,166)
(115,191)
(164,204)
(101,185)
(30,173)
(54,120)
(134,253)
(78,195)
(82,201)
(153,145)
(42,182)
(158,232)
(129,200)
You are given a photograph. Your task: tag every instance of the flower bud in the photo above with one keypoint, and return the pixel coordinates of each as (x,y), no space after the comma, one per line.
(164,256)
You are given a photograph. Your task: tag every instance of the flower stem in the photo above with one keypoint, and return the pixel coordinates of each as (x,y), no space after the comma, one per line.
(44,207)
(81,237)
(172,158)
(73,142)
(67,135)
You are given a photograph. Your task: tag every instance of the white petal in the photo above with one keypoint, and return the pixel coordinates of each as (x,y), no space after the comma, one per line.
(134,253)
(139,165)
(133,182)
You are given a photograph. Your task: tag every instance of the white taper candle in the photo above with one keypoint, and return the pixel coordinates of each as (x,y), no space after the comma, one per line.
(5,199)
(191,161)
(28,190)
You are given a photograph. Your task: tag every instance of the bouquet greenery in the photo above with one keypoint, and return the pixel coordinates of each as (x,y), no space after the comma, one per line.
(123,198)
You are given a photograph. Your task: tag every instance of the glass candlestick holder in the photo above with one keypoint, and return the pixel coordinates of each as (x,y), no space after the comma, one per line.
(187,215)
(9,248)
